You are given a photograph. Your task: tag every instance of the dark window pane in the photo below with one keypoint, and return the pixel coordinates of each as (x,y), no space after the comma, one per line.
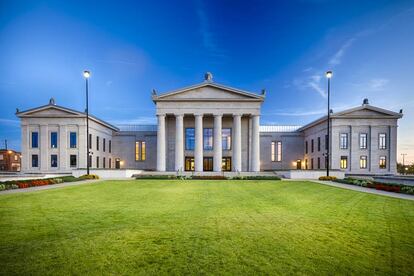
(208,139)
(73,140)
(73,160)
(189,139)
(53,139)
(226,138)
(35,139)
(35,161)
(53,161)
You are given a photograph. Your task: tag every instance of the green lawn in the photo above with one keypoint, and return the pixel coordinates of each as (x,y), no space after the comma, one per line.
(205,227)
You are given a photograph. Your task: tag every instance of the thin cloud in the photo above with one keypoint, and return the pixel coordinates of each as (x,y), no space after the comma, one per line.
(9,122)
(377,84)
(337,57)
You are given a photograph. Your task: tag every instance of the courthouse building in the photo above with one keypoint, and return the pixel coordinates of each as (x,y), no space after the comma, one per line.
(209,127)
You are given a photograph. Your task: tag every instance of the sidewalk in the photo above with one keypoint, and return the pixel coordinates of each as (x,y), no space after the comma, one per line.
(364,190)
(48,187)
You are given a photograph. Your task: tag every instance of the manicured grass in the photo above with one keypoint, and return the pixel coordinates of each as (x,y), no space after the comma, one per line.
(205,227)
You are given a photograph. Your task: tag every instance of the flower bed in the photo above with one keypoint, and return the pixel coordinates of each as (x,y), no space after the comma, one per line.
(22,184)
(396,188)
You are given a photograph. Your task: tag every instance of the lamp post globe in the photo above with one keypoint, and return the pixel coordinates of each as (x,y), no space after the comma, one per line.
(328,76)
(86,75)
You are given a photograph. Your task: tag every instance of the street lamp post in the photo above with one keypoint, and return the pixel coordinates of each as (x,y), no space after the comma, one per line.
(328,76)
(87,74)
(403,155)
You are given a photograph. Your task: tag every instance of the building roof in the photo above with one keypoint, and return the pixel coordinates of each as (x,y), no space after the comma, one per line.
(347,114)
(278,128)
(71,112)
(137,127)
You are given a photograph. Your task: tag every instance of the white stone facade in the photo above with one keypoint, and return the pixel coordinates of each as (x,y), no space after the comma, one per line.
(210,127)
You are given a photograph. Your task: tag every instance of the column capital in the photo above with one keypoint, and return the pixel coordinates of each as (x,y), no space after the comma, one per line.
(197,114)
(237,114)
(218,114)
(178,115)
(161,114)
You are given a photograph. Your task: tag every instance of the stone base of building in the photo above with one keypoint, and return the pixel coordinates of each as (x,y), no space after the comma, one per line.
(309,174)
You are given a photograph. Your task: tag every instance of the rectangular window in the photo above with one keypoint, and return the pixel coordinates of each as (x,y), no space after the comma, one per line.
(110,146)
(363,162)
(363,140)
(208,139)
(53,139)
(382,141)
(54,160)
(273,152)
(306,164)
(90,141)
(35,139)
(319,162)
(279,151)
(72,140)
(344,162)
(15,158)
(35,160)
(311,163)
(104,144)
(110,163)
(189,139)
(319,143)
(312,145)
(383,162)
(140,151)
(343,141)
(73,160)
(226,164)
(306,147)
(97,142)
(97,161)
(103,162)
(1,157)
(226,138)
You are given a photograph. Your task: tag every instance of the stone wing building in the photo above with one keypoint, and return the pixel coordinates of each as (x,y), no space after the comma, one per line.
(209,127)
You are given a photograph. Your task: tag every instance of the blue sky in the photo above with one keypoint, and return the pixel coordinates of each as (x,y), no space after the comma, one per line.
(132,47)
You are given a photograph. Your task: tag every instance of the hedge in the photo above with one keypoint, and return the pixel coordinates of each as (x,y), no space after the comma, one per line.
(396,188)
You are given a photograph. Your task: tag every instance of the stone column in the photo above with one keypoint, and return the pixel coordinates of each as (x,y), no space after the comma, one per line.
(198,149)
(179,142)
(63,148)
(44,148)
(161,143)
(255,144)
(217,143)
(237,142)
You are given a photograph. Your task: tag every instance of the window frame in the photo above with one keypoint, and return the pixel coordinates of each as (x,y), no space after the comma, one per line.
(37,140)
(189,140)
(343,160)
(382,146)
(140,151)
(227,140)
(70,161)
(209,134)
(363,162)
(37,160)
(363,141)
(54,156)
(71,135)
(382,165)
(343,144)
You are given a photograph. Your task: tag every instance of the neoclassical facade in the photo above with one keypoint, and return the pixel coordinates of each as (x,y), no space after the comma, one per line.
(209,127)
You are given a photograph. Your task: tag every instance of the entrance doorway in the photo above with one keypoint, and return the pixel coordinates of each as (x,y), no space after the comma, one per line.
(226,164)
(117,163)
(299,164)
(208,164)
(189,164)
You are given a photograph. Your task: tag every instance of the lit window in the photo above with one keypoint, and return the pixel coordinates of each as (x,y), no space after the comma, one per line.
(383,162)
(189,139)
(382,141)
(343,141)
(72,140)
(273,152)
(226,138)
(35,139)
(363,140)
(140,151)
(208,139)
(279,151)
(363,162)
(53,161)
(1,157)
(344,162)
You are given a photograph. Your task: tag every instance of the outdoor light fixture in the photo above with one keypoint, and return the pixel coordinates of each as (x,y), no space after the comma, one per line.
(86,74)
(329,74)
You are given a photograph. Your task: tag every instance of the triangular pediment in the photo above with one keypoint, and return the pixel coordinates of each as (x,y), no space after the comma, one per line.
(50,111)
(208,91)
(368,112)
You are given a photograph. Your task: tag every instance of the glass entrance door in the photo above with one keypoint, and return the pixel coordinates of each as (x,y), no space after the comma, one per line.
(189,163)
(208,164)
(226,164)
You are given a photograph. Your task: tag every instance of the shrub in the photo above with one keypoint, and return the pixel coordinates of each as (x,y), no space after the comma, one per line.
(14,186)
(69,178)
(407,190)
(328,178)
(2,187)
(89,176)
(156,177)
(263,177)
(209,177)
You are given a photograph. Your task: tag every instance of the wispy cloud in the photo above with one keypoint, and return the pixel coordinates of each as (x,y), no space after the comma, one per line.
(9,122)
(207,34)
(312,81)
(336,59)
(377,84)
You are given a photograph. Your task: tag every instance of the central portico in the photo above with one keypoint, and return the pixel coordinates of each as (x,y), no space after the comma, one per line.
(208,127)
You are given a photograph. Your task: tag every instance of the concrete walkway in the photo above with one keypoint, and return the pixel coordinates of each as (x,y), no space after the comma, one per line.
(364,190)
(48,187)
